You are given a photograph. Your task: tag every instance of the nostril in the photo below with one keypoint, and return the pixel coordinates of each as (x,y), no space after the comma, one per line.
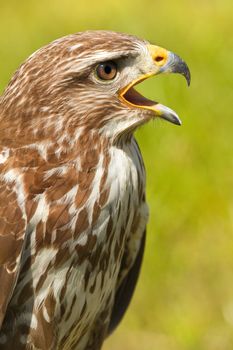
(159,58)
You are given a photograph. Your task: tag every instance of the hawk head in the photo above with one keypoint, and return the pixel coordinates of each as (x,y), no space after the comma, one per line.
(87,80)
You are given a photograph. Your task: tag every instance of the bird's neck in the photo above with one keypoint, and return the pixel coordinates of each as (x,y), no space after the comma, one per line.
(43,146)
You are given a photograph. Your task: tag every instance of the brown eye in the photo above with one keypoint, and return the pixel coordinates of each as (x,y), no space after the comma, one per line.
(106,70)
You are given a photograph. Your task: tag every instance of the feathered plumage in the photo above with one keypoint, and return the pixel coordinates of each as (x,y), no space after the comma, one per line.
(72,198)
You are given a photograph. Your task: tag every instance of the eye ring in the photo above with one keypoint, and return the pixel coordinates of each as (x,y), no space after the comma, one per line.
(106,70)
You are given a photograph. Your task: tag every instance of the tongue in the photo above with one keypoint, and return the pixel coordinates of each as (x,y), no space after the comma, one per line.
(137,99)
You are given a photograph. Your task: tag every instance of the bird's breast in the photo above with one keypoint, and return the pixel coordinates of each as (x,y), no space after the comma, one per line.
(78,229)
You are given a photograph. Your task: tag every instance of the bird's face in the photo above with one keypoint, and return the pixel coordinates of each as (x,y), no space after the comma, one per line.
(87,80)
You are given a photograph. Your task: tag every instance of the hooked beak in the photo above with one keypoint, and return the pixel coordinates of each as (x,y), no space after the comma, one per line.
(163,62)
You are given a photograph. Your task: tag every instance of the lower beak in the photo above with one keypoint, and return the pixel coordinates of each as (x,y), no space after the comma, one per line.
(163,62)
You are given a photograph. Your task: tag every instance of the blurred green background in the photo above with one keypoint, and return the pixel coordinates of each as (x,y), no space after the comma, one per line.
(184,299)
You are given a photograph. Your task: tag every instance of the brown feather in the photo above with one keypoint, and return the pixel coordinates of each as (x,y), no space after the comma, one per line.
(72,204)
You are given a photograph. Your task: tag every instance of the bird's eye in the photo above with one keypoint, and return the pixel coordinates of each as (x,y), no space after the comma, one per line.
(106,70)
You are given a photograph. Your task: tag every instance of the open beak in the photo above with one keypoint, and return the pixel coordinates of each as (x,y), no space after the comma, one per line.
(163,62)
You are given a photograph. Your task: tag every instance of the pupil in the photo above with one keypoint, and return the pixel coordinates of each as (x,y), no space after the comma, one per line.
(107,69)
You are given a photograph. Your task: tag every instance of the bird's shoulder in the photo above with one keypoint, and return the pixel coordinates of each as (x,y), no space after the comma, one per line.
(12,237)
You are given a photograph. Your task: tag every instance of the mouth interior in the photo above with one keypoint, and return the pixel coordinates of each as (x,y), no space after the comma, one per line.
(135,98)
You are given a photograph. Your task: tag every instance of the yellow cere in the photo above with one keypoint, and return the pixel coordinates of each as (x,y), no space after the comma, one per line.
(158,54)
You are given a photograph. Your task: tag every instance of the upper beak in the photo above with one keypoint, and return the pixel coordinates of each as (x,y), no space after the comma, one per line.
(163,61)
(169,62)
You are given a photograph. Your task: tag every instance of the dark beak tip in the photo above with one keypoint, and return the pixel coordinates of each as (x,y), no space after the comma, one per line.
(177,122)
(188,76)
(179,66)
(185,72)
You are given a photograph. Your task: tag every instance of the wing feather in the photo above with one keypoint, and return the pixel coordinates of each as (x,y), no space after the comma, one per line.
(126,289)
(12,234)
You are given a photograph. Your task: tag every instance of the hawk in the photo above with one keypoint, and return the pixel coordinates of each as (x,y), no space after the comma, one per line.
(73,212)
